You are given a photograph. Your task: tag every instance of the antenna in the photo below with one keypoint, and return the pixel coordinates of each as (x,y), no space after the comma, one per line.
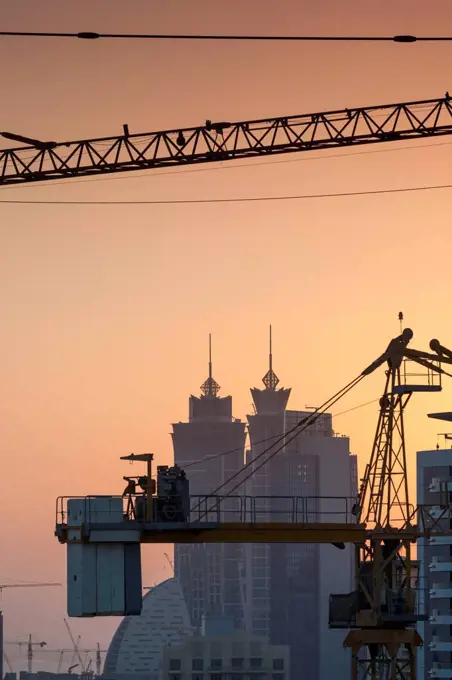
(401,321)
(210,387)
(210,356)
(270,356)
(270,379)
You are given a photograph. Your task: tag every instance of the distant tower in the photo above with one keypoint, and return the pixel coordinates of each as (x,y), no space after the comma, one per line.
(288,585)
(270,400)
(210,574)
(265,426)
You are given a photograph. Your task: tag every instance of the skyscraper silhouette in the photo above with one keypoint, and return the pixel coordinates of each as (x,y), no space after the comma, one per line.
(210,575)
(288,585)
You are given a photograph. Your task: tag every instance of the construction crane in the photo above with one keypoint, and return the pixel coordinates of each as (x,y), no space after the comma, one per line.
(381,612)
(86,651)
(75,645)
(170,562)
(37,161)
(8,662)
(15,585)
(25,585)
(30,644)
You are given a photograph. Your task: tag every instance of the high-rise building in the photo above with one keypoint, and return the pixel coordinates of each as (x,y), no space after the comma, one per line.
(220,653)
(288,586)
(434,487)
(210,575)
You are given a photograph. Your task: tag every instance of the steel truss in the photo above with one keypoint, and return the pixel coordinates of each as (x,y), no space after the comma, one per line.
(383,654)
(385,479)
(224,141)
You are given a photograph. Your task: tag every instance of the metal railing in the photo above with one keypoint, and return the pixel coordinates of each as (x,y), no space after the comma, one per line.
(424,519)
(215,509)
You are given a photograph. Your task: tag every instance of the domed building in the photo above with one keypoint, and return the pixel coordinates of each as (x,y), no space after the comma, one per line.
(136,648)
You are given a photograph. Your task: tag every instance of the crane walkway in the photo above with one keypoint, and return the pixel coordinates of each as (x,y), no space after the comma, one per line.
(232,519)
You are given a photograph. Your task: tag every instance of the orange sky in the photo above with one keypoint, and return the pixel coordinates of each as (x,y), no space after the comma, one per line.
(106,309)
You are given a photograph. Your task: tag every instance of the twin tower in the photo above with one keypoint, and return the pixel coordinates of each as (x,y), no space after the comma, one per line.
(278,591)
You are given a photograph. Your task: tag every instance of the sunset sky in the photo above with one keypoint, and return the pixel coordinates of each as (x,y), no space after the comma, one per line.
(106,310)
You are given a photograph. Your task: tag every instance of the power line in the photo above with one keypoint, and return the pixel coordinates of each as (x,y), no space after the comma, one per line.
(246,199)
(92,35)
(267,439)
(221,167)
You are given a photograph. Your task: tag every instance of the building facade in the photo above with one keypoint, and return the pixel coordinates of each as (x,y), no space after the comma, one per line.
(135,652)
(434,487)
(210,575)
(224,653)
(288,586)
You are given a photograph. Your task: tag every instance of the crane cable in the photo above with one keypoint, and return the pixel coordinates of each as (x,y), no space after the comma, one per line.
(296,430)
(215,456)
(236,199)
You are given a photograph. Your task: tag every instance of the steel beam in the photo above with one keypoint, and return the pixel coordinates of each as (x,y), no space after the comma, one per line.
(205,532)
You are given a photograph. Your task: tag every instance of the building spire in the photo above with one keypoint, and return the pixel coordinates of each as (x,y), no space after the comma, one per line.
(270,379)
(210,388)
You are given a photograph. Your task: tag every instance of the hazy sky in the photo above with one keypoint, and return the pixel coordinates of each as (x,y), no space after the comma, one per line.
(107,309)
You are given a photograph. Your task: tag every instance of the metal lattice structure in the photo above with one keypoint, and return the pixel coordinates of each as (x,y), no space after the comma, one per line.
(383,495)
(224,141)
(386,483)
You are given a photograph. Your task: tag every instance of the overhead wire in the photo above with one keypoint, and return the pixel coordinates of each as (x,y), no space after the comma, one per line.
(295,431)
(93,35)
(236,199)
(267,439)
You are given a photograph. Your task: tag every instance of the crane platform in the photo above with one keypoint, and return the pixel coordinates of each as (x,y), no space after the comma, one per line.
(211,519)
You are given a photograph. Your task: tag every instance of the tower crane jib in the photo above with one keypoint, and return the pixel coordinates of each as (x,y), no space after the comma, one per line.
(212,142)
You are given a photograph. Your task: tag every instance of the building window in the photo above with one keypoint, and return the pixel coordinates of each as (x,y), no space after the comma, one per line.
(216,664)
(255,663)
(197,664)
(196,676)
(237,662)
(177,676)
(278,664)
(278,676)
(175,664)
(216,676)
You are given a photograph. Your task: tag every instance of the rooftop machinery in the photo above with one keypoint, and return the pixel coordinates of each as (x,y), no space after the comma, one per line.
(103,533)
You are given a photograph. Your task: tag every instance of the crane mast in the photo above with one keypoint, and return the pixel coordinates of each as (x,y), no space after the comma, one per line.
(222,141)
(382,611)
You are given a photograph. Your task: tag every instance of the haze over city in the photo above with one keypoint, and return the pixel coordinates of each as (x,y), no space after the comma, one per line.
(107,309)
